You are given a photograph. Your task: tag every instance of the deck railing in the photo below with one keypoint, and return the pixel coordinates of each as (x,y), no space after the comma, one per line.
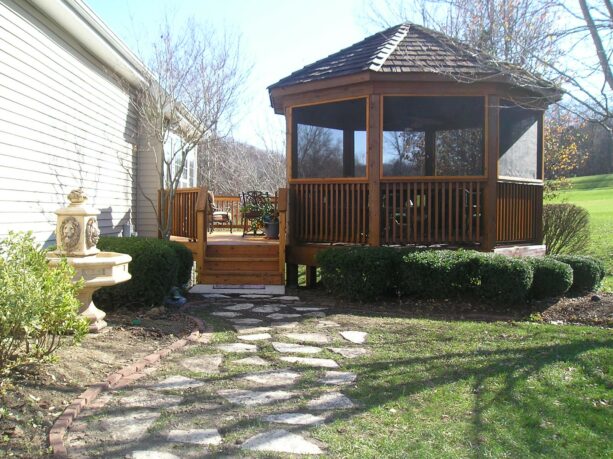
(432,211)
(519,210)
(330,212)
(184,222)
(232,204)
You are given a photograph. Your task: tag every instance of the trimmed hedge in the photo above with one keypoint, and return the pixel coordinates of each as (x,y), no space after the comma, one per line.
(367,273)
(360,272)
(438,273)
(156,266)
(186,262)
(552,278)
(588,272)
(504,279)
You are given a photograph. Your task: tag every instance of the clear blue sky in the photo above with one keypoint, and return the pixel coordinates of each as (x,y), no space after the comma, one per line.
(277,37)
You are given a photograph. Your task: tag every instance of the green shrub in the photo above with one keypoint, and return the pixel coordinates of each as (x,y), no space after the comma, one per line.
(566,228)
(361,273)
(186,262)
(588,272)
(154,269)
(38,304)
(438,273)
(504,279)
(552,278)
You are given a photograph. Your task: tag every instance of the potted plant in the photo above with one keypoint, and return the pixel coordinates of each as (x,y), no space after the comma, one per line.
(270,220)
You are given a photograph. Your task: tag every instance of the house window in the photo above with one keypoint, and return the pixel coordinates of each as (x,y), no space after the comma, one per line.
(329,140)
(519,154)
(433,136)
(188,177)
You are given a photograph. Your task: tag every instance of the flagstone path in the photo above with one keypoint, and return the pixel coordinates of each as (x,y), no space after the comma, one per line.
(261,387)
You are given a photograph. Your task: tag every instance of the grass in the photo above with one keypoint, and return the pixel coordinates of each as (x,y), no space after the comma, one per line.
(464,389)
(595,193)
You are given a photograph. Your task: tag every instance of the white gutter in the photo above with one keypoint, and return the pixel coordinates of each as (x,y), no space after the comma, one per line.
(78,19)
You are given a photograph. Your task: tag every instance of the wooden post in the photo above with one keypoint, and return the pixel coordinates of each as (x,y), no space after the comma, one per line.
(374,170)
(430,142)
(201,228)
(491,169)
(311,276)
(282,208)
(348,153)
(292,275)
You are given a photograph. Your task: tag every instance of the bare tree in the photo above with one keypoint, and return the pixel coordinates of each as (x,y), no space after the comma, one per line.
(189,93)
(228,167)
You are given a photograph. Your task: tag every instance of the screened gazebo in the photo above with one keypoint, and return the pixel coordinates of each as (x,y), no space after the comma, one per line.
(411,138)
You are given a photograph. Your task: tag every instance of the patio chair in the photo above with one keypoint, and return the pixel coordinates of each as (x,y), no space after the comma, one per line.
(252,205)
(218,215)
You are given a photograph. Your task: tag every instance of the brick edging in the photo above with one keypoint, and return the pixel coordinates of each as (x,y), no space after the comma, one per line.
(117,380)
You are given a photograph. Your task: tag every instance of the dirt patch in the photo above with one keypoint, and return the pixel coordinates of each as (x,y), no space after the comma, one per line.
(34,396)
(590,309)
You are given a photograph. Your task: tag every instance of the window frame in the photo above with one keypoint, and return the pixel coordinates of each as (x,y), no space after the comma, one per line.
(408,178)
(293,144)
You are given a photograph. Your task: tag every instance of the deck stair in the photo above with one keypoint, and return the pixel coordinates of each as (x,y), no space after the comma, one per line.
(244,264)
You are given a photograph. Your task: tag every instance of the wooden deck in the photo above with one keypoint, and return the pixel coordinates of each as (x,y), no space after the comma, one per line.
(224,237)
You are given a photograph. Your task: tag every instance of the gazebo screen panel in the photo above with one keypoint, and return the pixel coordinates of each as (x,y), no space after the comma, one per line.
(330,140)
(433,136)
(519,142)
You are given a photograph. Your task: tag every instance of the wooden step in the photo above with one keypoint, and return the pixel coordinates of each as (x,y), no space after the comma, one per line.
(242,251)
(241,259)
(241,277)
(228,264)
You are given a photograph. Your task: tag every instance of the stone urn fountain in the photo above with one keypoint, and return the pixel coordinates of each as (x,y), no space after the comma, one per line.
(77,234)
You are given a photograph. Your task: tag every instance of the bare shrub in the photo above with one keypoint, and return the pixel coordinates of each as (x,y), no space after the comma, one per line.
(566,228)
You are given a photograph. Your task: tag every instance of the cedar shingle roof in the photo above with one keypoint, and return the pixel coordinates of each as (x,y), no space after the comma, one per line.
(410,48)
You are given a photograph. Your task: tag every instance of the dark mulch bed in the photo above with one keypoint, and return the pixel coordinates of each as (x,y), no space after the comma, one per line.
(32,397)
(589,309)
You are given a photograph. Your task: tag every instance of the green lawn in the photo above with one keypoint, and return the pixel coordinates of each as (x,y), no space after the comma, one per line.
(595,193)
(437,389)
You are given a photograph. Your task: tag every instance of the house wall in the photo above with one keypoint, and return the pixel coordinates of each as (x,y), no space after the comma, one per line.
(64,122)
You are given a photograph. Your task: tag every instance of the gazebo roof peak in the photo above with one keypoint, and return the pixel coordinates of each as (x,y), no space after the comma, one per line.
(409,48)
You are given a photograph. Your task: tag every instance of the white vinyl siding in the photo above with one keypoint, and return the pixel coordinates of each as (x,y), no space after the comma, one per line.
(64,123)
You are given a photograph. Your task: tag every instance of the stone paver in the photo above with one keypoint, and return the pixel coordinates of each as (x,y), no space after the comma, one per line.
(250,329)
(350,352)
(310,361)
(128,427)
(255,337)
(266,309)
(237,347)
(296,419)
(214,296)
(176,382)
(239,306)
(255,296)
(280,316)
(274,378)
(316,338)
(143,398)
(246,321)
(356,337)
(151,454)
(295,348)
(307,308)
(330,401)
(288,298)
(281,441)
(253,361)
(226,314)
(203,363)
(337,378)
(285,325)
(252,397)
(195,436)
